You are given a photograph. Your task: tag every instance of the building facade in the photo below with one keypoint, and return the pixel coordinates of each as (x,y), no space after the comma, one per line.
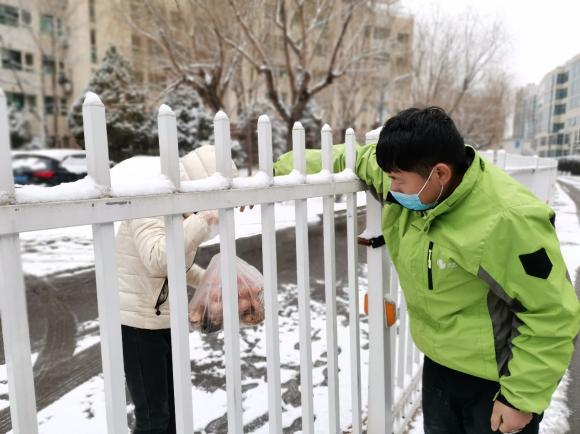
(547,115)
(50,48)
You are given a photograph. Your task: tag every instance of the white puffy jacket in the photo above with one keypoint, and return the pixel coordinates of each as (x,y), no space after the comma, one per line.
(141,257)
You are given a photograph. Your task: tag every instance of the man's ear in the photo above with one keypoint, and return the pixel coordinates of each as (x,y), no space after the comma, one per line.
(444,173)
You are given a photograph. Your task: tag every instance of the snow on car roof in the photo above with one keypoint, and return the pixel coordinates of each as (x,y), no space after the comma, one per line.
(57,154)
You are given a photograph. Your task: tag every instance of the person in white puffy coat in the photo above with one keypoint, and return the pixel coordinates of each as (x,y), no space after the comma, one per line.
(143,290)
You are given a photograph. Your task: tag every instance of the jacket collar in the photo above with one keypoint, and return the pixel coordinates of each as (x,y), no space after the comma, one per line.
(468,182)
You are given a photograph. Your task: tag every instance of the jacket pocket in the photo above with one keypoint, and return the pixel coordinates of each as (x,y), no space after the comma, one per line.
(430,266)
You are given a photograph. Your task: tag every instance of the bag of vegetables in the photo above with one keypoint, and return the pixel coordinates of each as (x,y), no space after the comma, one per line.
(206,306)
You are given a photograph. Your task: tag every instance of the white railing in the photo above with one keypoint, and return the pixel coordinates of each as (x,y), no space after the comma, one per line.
(394,362)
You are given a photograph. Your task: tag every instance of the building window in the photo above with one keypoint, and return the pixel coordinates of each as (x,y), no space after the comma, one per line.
(94,57)
(136,45)
(29,62)
(403,38)
(561,93)
(562,78)
(138,75)
(381,33)
(48,105)
(559,109)
(63,109)
(31,102)
(557,127)
(12,59)
(47,24)
(92,14)
(25,17)
(15,100)
(48,65)
(9,15)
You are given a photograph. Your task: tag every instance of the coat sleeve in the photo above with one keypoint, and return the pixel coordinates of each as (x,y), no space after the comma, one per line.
(367,168)
(194,275)
(536,312)
(149,237)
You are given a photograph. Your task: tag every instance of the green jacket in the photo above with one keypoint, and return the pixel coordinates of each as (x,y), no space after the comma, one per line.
(486,286)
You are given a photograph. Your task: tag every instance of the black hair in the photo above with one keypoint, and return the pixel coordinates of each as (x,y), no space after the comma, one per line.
(415,140)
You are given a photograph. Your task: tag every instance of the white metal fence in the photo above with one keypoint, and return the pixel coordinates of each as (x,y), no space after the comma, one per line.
(394,362)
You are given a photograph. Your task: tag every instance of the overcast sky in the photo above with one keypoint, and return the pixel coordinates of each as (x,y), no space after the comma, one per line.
(544,34)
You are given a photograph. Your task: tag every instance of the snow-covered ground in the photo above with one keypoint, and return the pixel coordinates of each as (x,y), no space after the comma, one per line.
(82,410)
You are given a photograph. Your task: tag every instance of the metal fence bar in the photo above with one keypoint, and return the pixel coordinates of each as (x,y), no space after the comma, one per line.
(303,280)
(15,331)
(353,305)
(176,267)
(330,288)
(269,261)
(380,418)
(96,144)
(229,281)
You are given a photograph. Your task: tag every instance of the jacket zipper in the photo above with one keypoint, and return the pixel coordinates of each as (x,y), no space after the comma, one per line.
(430,265)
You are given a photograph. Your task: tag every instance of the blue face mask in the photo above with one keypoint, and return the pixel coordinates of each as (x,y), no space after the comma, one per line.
(412,201)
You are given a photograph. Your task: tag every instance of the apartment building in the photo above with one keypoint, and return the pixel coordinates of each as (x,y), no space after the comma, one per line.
(547,115)
(50,48)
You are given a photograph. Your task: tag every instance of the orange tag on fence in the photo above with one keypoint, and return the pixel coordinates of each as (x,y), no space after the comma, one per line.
(390,310)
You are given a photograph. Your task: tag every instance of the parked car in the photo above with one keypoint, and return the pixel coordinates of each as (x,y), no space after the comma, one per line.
(49,166)
(31,168)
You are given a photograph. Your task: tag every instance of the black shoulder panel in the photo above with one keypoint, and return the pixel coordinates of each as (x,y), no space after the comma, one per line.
(537,264)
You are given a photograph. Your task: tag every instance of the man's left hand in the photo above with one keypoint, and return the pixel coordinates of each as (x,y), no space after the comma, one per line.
(508,420)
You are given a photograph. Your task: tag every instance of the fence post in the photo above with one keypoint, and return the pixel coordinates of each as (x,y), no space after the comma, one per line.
(303,283)
(380,400)
(176,267)
(353,310)
(500,159)
(15,330)
(330,287)
(229,280)
(95,131)
(270,282)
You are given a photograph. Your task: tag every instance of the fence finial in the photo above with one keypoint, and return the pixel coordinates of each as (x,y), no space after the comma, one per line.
(223,144)
(265,145)
(350,149)
(168,148)
(165,110)
(92,99)
(299,148)
(327,154)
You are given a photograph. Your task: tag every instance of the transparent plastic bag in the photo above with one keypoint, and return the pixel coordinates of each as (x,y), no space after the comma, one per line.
(206,306)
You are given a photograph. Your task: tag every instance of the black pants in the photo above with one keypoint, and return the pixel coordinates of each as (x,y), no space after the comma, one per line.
(457,403)
(149,375)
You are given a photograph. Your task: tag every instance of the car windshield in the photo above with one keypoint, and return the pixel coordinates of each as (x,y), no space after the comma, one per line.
(75,163)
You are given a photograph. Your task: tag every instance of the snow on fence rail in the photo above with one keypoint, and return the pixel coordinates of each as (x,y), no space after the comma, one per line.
(393,359)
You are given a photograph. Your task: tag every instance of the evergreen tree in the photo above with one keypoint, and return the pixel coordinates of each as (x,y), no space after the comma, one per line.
(20,123)
(194,123)
(129,124)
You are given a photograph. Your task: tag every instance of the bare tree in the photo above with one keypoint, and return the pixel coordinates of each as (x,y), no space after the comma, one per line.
(483,113)
(303,47)
(454,58)
(187,48)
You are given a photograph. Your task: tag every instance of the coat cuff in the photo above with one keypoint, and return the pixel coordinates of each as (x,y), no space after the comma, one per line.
(504,401)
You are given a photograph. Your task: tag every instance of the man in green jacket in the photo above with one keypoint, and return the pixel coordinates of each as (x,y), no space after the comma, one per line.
(490,301)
